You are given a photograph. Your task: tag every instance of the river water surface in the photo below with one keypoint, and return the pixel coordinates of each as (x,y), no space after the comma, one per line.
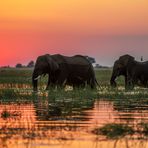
(43,123)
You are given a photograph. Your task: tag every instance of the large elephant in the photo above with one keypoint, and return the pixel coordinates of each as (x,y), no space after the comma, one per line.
(62,69)
(134,72)
(76,82)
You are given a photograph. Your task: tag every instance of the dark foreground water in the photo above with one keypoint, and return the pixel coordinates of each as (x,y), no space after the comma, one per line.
(43,123)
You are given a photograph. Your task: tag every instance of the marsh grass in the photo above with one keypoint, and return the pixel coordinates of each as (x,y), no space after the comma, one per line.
(113,131)
(5,114)
(19,76)
(23,76)
(144,128)
(6,94)
(15,75)
(103,77)
(60,102)
(68,102)
(76,93)
(13,95)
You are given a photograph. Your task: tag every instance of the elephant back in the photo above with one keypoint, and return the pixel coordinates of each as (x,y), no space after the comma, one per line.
(73,60)
(78,60)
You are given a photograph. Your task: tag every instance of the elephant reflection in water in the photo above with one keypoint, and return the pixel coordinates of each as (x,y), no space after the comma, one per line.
(76,71)
(134,72)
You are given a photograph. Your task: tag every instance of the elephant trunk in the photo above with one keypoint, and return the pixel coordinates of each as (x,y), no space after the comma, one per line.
(35,80)
(112,80)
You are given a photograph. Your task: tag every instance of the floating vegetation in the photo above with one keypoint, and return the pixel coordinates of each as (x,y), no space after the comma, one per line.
(144,128)
(114,130)
(7,114)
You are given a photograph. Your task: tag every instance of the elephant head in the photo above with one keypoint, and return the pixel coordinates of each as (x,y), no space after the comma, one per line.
(45,64)
(120,67)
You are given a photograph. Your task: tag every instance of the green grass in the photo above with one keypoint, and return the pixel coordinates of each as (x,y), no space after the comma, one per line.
(20,79)
(144,129)
(23,75)
(15,75)
(103,77)
(8,94)
(17,78)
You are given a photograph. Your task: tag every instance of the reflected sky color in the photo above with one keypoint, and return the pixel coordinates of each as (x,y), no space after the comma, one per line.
(27,127)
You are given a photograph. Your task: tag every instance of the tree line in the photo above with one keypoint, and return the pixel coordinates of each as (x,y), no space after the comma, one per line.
(31,64)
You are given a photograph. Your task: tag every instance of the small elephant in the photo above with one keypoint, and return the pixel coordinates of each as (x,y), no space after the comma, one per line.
(134,72)
(75,70)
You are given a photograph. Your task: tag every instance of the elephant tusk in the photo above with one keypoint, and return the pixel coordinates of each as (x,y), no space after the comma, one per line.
(37,77)
(64,81)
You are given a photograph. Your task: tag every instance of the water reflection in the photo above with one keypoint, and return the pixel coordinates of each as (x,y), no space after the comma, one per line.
(46,122)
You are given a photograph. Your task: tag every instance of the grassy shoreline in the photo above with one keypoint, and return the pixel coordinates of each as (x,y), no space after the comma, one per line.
(19,79)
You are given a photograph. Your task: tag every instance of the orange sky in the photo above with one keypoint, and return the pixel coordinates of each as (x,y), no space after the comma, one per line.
(103,29)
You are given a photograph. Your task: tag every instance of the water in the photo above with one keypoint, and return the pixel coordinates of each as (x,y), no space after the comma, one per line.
(43,123)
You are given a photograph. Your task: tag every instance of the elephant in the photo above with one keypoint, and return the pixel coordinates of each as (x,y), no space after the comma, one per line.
(74,70)
(135,72)
(76,82)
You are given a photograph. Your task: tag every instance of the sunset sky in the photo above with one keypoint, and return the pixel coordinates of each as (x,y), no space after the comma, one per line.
(104,29)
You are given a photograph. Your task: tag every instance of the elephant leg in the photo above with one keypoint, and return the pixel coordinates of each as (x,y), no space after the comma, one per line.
(92,80)
(79,85)
(128,84)
(128,81)
(131,82)
(92,83)
(144,81)
(135,79)
(125,81)
(51,82)
(61,80)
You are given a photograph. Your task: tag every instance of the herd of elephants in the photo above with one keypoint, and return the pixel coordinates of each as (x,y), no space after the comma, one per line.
(78,71)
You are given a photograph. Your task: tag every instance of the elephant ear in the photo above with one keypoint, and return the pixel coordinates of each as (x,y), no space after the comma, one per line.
(52,63)
(117,68)
(117,64)
(125,59)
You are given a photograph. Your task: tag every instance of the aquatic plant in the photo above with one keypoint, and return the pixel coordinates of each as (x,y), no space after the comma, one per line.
(9,114)
(114,130)
(8,94)
(144,128)
(5,114)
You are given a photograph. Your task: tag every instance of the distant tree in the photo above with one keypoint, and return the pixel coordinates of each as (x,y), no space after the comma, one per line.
(141,58)
(91,59)
(19,65)
(30,64)
(5,66)
(98,66)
